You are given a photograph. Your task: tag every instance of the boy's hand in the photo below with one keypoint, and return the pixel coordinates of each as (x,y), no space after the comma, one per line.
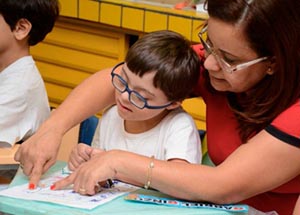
(80,154)
(96,151)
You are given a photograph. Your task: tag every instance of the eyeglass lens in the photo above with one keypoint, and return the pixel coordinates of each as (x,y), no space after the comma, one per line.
(121,85)
(209,50)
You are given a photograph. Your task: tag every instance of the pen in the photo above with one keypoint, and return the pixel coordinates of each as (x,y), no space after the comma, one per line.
(106,184)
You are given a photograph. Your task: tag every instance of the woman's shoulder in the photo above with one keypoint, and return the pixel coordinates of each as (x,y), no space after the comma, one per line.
(290,116)
(286,126)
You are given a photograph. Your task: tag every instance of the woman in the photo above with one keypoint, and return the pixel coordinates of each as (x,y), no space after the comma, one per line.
(251,88)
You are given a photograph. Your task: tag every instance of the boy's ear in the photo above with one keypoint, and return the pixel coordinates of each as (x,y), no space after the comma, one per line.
(22,29)
(174,105)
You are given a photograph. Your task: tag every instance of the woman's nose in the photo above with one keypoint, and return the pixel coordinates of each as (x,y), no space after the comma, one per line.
(211,63)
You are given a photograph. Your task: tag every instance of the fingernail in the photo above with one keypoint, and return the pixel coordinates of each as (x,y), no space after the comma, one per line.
(31,186)
(52,187)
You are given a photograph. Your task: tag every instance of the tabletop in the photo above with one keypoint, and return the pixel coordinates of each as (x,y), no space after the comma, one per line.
(116,206)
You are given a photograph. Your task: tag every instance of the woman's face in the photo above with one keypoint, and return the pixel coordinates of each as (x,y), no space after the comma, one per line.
(230,44)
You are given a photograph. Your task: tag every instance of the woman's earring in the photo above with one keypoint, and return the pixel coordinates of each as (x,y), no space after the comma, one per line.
(270,71)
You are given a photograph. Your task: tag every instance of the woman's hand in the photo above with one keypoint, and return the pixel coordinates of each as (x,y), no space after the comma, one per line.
(36,155)
(85,178)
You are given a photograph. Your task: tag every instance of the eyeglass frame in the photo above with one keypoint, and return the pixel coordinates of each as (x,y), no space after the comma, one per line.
(129,91)
(223,64)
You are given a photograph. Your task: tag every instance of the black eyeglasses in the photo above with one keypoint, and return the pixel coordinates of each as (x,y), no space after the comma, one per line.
(134,97)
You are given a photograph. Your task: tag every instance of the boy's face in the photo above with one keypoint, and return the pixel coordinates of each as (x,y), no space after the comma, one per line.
(144,87)
(6,35)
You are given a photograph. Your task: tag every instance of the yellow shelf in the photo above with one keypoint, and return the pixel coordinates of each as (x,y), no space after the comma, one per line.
(138,15)
(93,10)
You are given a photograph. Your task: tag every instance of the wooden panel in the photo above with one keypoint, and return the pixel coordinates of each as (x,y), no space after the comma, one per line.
(91,39)
(72,58)
(89,10)
(73,51)
(181,25)
(196,107)
(69,141)
(57,93)
(196,28)
(110,14)
(200,124)
(134,13)
(133,18)
(155,21)
(69,8)
(7,155)
(61,75)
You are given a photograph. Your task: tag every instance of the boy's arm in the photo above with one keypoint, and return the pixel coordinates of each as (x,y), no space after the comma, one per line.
(39,152)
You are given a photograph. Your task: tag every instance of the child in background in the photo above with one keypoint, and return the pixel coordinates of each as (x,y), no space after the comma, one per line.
(23,98)
(159,72)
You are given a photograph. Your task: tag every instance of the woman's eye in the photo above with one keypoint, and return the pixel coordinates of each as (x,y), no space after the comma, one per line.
(230,61)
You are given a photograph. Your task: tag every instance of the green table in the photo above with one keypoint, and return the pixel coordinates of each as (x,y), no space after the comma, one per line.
(116,206)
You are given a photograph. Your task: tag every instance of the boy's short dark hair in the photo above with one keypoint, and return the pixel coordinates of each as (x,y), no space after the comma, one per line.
(42,15)
(171,56)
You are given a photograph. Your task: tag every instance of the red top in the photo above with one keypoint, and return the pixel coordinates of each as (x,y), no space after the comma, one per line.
(221,120)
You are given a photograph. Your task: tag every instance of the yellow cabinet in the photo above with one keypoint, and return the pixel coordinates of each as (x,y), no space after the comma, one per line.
(68,8)
(73,51)
(88,10)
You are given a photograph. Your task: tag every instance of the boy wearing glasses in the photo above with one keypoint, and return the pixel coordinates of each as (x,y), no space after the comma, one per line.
(159,72)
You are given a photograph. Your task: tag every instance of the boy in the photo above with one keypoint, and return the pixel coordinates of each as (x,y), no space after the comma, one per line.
(159,72)
(23,98)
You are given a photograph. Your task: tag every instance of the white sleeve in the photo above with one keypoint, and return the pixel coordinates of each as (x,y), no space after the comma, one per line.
(183,140)
(104,127)
(12,107)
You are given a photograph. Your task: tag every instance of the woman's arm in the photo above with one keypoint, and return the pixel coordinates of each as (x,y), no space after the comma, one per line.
(264,157)
(297,207)
(39,152)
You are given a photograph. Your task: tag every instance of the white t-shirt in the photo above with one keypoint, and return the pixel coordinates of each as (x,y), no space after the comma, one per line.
(176,136)
(23,101)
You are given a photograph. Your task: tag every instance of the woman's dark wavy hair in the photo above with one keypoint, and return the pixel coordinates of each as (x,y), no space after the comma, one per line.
(272,28)
(171,56)
(42,15)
